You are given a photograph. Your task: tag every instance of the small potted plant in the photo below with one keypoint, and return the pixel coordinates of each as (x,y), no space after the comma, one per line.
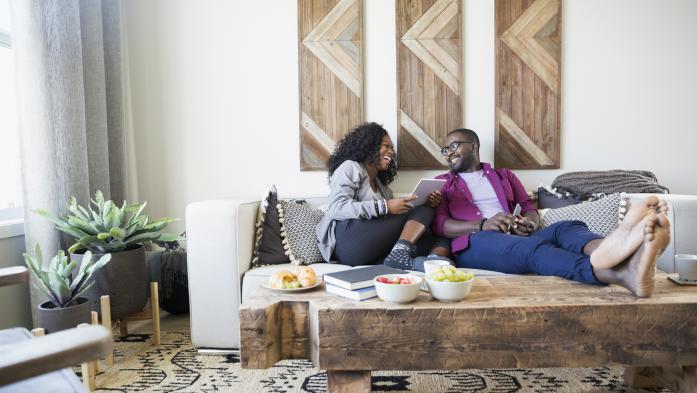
(66,307)
(120,231)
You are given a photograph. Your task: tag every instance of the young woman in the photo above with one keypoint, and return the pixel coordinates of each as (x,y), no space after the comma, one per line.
(364,222)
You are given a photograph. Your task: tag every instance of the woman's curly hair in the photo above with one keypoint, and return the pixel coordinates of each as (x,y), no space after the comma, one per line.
(360,145)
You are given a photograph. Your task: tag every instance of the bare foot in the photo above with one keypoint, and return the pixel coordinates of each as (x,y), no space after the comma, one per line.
(624,240)
(637,273)
(662,207)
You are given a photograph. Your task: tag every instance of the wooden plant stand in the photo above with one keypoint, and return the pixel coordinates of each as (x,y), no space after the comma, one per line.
(148,313)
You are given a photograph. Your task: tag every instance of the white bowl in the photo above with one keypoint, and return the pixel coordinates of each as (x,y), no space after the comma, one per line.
(432,265)
(398,293)
(447,291)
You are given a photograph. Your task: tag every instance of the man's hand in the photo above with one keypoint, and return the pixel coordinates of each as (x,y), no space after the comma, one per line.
(400,205)
(499,223)
(523,226)
(434,199)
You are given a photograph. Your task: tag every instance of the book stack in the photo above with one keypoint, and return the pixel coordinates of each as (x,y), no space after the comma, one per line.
(357,284)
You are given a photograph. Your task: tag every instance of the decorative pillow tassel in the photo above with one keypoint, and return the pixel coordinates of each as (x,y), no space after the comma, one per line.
(623,206)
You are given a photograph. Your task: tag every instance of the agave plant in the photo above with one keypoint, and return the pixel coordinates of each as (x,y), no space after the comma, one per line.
(56,278)
(109,228)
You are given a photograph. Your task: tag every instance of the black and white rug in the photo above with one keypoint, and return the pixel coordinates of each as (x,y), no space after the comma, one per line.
(175,366)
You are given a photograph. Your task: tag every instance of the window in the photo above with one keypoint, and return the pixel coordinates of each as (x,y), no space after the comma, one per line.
(10,172)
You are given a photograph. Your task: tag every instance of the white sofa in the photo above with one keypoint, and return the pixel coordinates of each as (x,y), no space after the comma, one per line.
(220,239)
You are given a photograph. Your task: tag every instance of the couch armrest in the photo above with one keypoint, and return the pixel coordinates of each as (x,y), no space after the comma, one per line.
(29,357)
(220,241)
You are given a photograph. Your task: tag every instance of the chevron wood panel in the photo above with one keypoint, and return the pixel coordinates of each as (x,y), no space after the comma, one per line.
(429,79)
(330,76)
(528,83)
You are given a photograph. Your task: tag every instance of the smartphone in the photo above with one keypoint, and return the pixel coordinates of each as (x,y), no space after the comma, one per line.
(516,212)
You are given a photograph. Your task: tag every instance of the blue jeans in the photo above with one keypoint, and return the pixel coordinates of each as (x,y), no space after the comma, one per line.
(556,250)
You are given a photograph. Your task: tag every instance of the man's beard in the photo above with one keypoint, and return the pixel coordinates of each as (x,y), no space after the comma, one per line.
(465,163)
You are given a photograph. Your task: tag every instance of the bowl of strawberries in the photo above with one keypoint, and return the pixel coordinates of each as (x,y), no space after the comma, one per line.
(397,288)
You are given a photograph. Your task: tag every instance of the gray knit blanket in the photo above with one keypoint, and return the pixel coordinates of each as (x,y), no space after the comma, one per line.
(585,184)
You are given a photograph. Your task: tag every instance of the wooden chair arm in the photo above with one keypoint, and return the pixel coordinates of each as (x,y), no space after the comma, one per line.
(13,275)
(40,355)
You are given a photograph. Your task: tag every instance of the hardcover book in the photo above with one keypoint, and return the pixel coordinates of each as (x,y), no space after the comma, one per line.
(359,278)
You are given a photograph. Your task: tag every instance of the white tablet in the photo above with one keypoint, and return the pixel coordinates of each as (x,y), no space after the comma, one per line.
(424,188)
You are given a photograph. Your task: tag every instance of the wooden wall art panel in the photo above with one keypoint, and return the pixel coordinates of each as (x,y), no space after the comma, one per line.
(528,83)
(331,75)
(429,79)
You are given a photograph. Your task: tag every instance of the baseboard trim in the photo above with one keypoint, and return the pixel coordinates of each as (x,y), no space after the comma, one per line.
(217,352)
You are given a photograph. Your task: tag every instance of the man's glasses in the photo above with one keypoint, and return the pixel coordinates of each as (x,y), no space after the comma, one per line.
(452,147)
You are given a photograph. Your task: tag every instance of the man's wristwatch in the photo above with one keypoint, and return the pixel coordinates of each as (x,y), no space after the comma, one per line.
(481,224)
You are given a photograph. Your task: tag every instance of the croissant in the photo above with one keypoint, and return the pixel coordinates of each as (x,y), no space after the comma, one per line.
(278,279)
(306,276)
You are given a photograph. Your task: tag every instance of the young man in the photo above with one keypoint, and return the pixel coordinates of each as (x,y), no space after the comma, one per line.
(476,213)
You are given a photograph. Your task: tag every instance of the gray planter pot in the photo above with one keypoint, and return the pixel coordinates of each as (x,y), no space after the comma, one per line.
(54,319)
(124,279)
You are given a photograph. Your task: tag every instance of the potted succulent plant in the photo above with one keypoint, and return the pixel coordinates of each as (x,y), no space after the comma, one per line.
(121,231)
(66,307)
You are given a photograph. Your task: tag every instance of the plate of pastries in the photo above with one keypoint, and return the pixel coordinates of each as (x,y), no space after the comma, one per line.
(301,279)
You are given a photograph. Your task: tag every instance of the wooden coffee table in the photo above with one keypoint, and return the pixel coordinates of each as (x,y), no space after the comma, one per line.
(505,322)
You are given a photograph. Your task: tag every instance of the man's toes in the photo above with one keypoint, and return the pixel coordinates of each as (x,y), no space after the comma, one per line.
(663,220)
(649,236)
(651,200)
(648,228)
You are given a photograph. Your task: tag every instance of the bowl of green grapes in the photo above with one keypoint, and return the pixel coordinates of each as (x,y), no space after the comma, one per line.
(448,284)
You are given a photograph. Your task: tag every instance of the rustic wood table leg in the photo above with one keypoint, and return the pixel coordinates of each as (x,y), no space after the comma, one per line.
(678,379)
(348,381)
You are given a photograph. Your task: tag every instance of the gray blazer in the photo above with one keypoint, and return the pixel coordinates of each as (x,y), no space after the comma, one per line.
(350,197)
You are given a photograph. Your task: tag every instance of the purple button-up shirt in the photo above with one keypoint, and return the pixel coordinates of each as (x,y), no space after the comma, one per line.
(457,201)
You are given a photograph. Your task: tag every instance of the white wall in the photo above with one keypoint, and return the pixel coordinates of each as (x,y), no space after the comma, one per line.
(215,93)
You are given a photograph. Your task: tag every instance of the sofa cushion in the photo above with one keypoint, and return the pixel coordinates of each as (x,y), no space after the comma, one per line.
(268,245)
(298,224)
(602,216)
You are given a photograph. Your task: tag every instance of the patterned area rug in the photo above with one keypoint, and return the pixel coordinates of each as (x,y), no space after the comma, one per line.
(175,366)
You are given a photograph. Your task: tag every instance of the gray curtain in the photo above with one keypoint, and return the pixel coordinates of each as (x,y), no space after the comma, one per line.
(70,94)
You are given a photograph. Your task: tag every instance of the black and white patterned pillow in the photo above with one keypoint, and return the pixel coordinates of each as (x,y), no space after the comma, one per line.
(602,216)
(298,223)
(268,246)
